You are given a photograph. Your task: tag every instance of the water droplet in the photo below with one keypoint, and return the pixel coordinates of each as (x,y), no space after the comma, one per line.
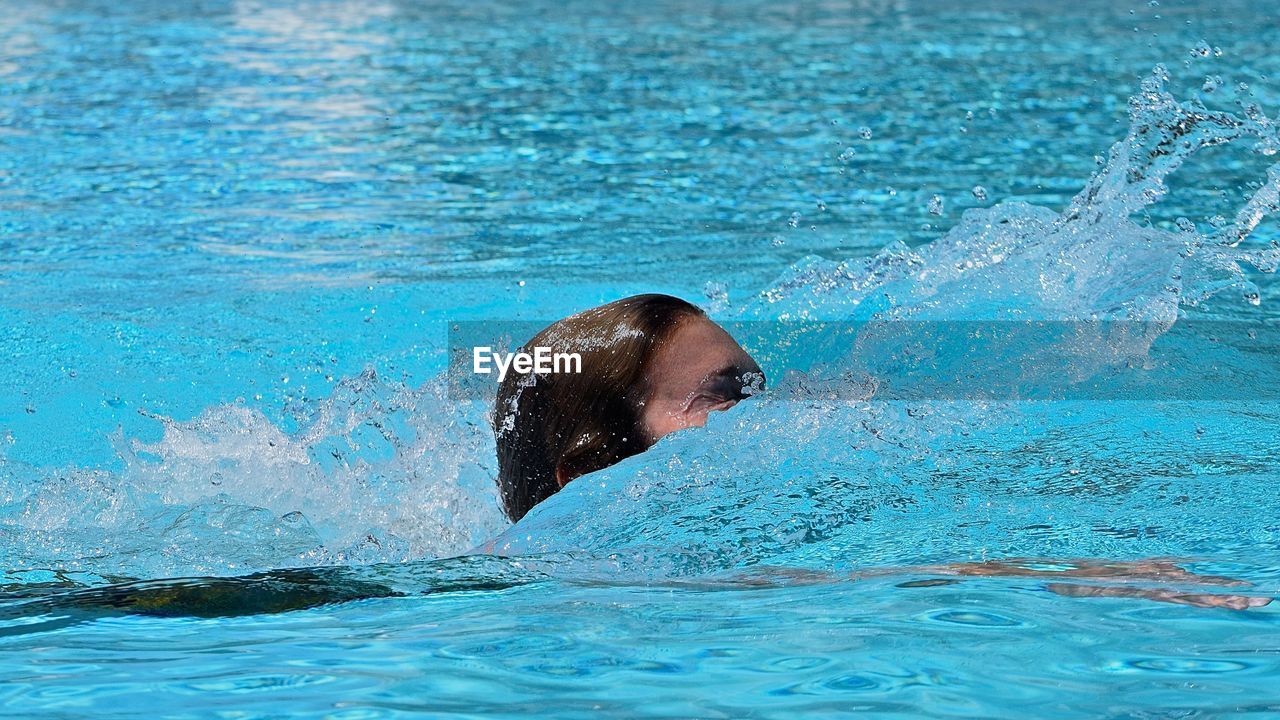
(1185,225)
(935,205)
(822,207)
(979,193)
(777,241)
(794,220)
(521,283)
(1211,83)
(1201,49)
(847,155)
(865,132)
(717,294)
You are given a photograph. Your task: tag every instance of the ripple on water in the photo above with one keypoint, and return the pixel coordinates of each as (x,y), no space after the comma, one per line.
(974,618)
(796,663)
(260,683)
(54,695)
(515,646)
(840,684)
(559,669)
(1184,665)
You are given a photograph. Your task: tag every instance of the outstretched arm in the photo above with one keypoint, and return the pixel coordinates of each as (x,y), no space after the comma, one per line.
(1123,572)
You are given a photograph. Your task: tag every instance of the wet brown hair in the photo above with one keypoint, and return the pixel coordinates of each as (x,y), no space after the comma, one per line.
(581,422)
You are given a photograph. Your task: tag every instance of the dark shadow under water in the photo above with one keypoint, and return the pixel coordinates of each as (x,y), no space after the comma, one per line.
(32,609)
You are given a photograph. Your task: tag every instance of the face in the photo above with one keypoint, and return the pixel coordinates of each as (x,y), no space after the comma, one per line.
(698,370)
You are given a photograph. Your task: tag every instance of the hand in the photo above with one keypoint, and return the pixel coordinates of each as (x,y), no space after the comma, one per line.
(1159,570)
(1201,600)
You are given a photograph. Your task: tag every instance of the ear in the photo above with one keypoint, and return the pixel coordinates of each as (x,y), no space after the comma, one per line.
(562,475)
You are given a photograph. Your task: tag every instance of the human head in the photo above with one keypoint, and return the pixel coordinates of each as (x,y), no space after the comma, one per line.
(651,364)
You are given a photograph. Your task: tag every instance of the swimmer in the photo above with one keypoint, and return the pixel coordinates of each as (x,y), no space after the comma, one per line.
(651,365)
(655,364)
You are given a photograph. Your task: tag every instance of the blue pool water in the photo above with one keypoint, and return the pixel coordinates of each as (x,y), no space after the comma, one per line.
(234,236)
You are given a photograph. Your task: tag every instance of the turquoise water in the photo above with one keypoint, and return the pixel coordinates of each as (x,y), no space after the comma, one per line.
(235,234)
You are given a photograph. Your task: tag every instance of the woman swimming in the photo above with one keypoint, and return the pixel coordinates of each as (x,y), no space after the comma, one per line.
(651,365)
(654,364)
